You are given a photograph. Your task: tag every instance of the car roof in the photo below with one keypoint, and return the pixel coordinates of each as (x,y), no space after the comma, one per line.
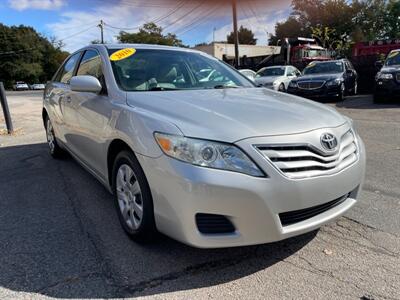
(342,60)
(143,46)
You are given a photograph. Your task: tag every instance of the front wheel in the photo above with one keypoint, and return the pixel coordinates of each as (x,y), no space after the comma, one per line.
(342,93)
(133,200)
(281,88)
(55,150)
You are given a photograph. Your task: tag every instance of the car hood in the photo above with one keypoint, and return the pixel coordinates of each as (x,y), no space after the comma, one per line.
(318,77)
(233,114)
(390,69)
(267,79)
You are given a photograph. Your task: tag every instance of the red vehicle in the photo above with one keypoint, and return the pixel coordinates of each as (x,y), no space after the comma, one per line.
(302,51)
(364,58)
(375,48)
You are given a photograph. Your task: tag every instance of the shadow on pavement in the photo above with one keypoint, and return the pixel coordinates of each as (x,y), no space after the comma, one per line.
(60,237)
(366,102)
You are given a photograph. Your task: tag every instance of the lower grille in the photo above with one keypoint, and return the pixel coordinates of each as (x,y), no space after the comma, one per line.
(295,216)
(213,224)
(310,85)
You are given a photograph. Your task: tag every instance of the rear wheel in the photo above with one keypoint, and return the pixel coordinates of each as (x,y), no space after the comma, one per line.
(55,150)
(133,200)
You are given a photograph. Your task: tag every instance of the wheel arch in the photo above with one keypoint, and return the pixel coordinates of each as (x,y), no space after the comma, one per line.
(115,147)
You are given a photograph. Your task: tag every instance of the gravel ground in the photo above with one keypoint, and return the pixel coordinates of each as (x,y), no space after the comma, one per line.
(60,237)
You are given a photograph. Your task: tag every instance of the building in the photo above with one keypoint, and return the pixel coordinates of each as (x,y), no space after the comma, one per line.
(219,50)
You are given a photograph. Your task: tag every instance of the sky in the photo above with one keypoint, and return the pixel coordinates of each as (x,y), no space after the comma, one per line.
(194,21)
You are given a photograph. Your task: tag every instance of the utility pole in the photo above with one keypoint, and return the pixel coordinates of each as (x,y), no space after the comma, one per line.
(6,112)
(101,25)
(235,34)
(214,34)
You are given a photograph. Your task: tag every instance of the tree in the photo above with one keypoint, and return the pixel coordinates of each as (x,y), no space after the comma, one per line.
(26,55)
(150,33)
(246,37)
(291,28)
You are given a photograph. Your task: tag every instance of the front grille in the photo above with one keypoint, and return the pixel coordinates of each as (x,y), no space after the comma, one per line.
(302,161)
(310,85)
(213,224)
(295,216)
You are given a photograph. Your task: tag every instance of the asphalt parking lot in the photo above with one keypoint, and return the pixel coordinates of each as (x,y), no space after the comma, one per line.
(60,236)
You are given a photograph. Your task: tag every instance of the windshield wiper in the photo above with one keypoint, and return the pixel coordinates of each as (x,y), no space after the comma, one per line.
(224,86)
(160,88)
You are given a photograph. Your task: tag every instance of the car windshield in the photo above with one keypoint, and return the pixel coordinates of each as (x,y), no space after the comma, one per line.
(393,59)
(323,67)
(314,53)
(162,70)
(279,71)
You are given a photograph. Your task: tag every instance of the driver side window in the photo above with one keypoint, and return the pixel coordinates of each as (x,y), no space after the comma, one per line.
(64,75)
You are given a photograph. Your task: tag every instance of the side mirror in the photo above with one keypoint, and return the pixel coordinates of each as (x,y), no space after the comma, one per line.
(85,83)
(379,64)
(349,72)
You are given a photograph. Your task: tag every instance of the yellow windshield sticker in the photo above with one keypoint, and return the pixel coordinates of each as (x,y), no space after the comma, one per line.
(393,54)
(122,54)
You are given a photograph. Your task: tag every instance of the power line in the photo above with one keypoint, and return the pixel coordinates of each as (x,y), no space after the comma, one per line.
(77,33)
(199,20)
(157,20)
(183,16)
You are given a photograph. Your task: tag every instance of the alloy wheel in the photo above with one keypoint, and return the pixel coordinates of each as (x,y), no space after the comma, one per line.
(129,196)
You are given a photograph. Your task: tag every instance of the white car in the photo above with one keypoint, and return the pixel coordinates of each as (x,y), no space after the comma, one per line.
(21,86)
(38,86)
(276,77)
(250,74)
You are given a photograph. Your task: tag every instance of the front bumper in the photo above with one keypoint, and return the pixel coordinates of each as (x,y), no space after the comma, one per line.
(252,204)
(387,88)
(323,92)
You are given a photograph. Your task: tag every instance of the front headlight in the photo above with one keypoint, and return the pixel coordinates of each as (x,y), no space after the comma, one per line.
(293,84)
(334,82)
(385,76)
(207,154)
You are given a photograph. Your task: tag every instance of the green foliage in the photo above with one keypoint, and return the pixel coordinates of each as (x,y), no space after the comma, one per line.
(27,56)
(338,23)
(246,37)
(150,33)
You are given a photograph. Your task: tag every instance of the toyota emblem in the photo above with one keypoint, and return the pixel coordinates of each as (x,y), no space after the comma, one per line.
(329,141)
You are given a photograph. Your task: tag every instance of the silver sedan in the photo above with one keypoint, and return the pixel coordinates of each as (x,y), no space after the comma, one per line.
(211,163)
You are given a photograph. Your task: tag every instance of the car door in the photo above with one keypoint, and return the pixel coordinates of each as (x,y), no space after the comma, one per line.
(89,115)
(57,94)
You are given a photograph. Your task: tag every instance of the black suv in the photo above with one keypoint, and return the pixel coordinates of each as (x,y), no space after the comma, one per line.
(387,80)
(332,79)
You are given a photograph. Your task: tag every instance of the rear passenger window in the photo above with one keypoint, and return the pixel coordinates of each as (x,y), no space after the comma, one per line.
(91,65)
(67,69)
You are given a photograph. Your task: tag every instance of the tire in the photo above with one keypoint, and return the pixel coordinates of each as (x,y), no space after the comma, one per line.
(132,197)
(281,88)
(55,150)
(355,89)
(342,93)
